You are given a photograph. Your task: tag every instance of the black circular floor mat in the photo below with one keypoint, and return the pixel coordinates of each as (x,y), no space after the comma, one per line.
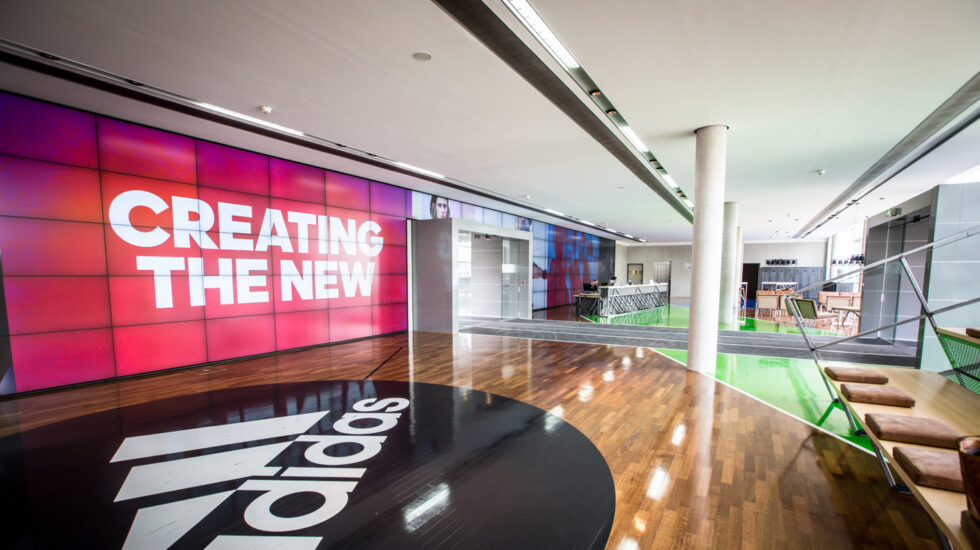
(334,464)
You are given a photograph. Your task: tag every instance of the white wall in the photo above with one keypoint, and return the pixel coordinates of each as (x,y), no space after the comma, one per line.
(621,260)
(807,254)
(680,267)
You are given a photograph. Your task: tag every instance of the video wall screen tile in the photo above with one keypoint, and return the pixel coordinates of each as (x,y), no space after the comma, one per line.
(141,151)
(230,168)
(148,348)
(390,318)
(37,304)
(301,328)
(240,336)
(295,181)
(346,191)
(350,322)
(50,247)
(72,193)
(38,130)
(392,260)
(393,228)
(390,289)
(143,299)
(49,359)
(388,199)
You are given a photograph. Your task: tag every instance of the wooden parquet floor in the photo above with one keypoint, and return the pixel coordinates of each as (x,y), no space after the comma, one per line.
(696,464)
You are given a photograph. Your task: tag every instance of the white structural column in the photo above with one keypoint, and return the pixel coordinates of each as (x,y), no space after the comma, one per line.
(709,198)
(729,270)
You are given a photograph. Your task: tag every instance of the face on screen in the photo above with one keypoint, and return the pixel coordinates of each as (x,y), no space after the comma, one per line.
(439,207)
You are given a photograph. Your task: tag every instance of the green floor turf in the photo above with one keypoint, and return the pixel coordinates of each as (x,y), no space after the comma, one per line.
(791,385)
(679,316)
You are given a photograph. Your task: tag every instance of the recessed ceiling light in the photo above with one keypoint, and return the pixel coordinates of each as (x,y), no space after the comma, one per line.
(266,109)
(821,172)
(247,118)
(670,181)
(612,112)
(634,139)
(420,170)
(421,56)
(595,93)
(542,32)
(555,212)
(527,197)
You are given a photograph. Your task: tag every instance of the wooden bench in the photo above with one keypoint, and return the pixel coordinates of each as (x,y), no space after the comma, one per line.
(938,398)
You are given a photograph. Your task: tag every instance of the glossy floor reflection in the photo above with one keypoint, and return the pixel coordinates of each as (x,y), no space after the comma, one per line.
(695,464)
(791,385)
(328,464)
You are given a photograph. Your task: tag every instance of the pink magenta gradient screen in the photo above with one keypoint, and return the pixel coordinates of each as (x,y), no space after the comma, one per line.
(126,249)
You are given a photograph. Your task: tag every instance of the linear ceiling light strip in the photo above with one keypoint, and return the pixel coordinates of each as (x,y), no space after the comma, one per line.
(531,20)
(958,103)
(93,77)
(477,18)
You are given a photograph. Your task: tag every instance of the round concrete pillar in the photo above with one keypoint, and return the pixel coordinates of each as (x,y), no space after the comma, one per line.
(709,198)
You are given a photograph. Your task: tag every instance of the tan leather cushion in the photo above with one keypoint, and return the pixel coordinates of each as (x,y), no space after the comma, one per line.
(974,332)
(856,374)
(878,395)
(909,429)
(939,469)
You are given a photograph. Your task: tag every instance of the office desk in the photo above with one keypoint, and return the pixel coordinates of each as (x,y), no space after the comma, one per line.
(617,300)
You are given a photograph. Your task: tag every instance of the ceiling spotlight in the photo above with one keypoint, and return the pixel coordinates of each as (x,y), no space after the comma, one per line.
(612,112)
(527,197)
(821,172)
(595,93)
(421,56)
(266,109)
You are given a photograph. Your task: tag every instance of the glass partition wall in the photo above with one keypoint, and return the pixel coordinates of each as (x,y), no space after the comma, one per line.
(492,275)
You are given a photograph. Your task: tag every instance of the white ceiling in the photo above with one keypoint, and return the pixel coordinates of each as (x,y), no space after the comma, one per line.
(804,87)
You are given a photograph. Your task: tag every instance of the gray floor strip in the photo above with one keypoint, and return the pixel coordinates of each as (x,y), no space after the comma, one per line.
(745,343)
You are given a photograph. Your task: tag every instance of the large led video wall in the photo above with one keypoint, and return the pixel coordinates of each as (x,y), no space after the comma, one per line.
(564,260)
(125,249)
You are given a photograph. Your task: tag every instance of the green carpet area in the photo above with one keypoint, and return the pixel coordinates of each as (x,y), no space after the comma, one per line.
(679,316)
(791,385)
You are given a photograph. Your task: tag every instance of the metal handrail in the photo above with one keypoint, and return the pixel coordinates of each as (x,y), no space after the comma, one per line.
(928,313)
(975,230)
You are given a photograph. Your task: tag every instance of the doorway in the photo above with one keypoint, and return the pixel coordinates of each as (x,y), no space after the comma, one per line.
(750,276)
(634,274)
